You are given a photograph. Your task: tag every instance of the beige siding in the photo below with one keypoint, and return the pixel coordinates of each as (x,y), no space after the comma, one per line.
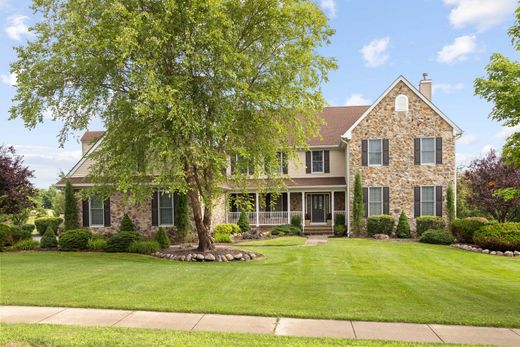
(82,170)
(337,165)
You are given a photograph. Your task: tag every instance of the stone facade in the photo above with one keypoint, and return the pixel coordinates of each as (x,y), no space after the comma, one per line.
(401,175)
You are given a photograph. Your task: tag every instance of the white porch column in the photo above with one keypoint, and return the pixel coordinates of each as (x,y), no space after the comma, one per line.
(332,207)
(257,210)
(288,207)
(303,211)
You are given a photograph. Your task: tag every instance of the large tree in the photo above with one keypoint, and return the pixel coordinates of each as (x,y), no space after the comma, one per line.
(16,189)
(181,87)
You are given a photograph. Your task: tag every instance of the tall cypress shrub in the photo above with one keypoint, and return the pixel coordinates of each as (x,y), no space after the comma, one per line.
(403,227)
(358,208)
(450,202)
(70,211)
(182,220)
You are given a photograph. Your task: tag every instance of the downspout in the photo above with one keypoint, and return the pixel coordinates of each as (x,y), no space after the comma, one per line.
(347,178)
(455,182)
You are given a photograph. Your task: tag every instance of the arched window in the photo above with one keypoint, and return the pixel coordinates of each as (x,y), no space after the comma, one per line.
(401,103)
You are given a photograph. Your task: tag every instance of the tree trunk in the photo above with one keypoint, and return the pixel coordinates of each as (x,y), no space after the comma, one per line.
(202,223)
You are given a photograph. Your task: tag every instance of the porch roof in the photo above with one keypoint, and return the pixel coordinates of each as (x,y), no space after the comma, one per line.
(308,182)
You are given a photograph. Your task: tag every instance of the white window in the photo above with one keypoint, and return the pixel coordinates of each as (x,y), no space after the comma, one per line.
(401,103)
(428,150)
(165,209)
(375,152)
(281,161)
(427,201)
(375,201)
(317,161)
(243,166)
(97,212)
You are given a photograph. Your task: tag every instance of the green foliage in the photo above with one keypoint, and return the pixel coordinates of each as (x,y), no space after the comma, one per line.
(70,208)
(380,224)
(44,222)
(74,240)
(121,241)
(161,238)
(450,204)
(21,217)
(358,209)
(97,244)
(508,194)
(437,236)
(339,219)
(12,234)
(463,229)
(296,220)
(424,223)
(339,230)
(243,222)
(403,227)
(28,227)
(182,217)
(144,247)
(223,238)
(25,245)
(58,203)
(499,237)
(230,228)
(48,239)
(286,229)
(126,224)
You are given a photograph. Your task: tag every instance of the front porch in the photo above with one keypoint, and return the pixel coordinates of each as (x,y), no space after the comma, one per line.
(318,210)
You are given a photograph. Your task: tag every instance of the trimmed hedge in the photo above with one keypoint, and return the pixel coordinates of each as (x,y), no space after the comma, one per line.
(222,238)
(25,245)
(499,237)
(230,228)
(339,219)
(437,236)
(9,235)
(463,229)
(161,238)
(48,239)
(380,224)
(121,241)
(243,222)
(339,230)
(44,222)
(403,227)
(429,222)
(74,240)
(296,221)
(95,244)
(28,227)
(144,247)
(286,229)
(126,224)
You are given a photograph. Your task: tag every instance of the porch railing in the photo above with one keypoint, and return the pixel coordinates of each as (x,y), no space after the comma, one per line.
(272,218)
(234,216)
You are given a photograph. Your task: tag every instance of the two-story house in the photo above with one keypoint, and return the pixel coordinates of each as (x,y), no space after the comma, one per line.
(402,144)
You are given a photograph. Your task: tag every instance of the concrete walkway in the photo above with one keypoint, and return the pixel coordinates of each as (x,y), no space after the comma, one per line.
(262,325)
(314,240)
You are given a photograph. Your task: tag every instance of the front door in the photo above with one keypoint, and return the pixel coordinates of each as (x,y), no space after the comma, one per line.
(318,208)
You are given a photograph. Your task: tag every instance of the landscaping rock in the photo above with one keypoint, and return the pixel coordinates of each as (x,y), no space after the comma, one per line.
(199,257)
(238,256)
(516,253)
(229,257)
(188,257)
(381,237)
(209,257)
(485,251)
(500,253)
(508,254)
(493,253)
(253,256)
(246,257)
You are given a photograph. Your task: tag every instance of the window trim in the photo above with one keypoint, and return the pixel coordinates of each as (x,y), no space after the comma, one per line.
(90,215)
(434,149)
(159,210)
(368,152)
(382,201)
(322,161)
(421,202)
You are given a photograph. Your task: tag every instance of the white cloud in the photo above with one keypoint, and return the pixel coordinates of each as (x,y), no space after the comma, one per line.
(507,131)
(16,27)
(463,159)
(356,100)
(484,14)
(468,139)
(375,53)
(8,79)
(457,51)
(486,149)
(446,88)
(329,6)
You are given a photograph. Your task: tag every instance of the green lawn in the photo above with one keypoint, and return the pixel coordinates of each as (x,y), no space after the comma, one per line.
(343,279)
(58,335)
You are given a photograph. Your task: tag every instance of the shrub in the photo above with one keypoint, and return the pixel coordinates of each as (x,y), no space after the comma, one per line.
(144,247)
(296,221)
(381,224)
(44,222)
(25,245)
(429,222)
(9,235)
(339,230)
(96,244)
(121,241)
(230,228)
(403,227)
(126,224)
(73,240)
(463,229)
(161,238)
(339,219)
(437,236)
(48,239)
(223,238)
(243,222)
(28,227)
(286,229)
(70,210)
(499,237)
(182,216)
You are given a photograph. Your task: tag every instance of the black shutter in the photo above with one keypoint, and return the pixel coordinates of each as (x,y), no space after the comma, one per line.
(250,169)
(438,200)
(268,202)
(386,200)
(365,200)
(417,151)
(438,150)
(175,207)
(106,211)
(326,161)
(233,160)
(308,162)
(155,209)
(86,215)
(284,201)
(232,200)
(285,164)
(364,152)
(386,152)
(417,201)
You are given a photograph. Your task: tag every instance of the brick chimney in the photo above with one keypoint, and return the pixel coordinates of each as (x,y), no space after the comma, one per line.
(425,86)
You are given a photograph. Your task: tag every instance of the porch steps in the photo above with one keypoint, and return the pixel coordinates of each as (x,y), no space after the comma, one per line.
(318,230)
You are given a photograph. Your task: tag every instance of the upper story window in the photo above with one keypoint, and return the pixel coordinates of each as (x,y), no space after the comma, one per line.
(428,150)
(375,152)
(165,209)
(97,215)
(317,161)
(428,201)
(401,103)
(375,201)
(240,164)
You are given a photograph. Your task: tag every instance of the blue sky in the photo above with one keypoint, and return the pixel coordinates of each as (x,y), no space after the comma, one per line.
(375,41)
